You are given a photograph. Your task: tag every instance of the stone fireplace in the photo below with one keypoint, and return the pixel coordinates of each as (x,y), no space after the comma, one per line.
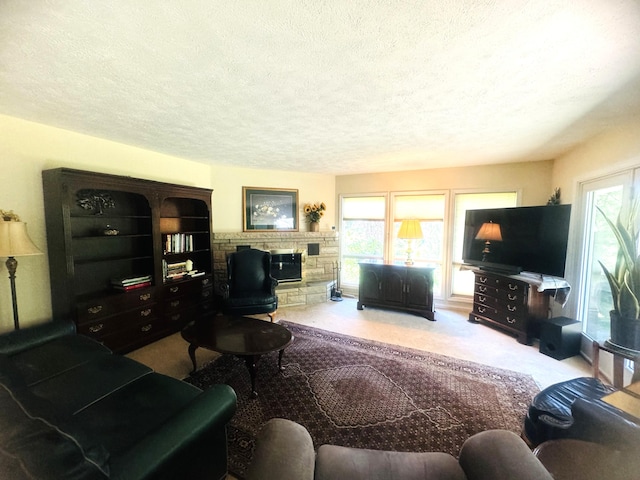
(318,253)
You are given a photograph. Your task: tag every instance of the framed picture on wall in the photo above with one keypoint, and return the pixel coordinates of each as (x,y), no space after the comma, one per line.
(267,209)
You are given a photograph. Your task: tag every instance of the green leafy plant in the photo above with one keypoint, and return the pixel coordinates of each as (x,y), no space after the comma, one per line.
(624,280)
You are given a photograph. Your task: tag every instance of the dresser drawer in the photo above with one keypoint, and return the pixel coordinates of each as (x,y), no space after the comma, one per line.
(107,305)
(486,289)
(513,309)
(191,287)
(513,286)
(485,310)
(179,318)
(102,327)
(134,333)
(512,321)
(486,300)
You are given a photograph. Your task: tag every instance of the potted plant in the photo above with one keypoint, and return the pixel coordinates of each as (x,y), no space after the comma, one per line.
(624,281)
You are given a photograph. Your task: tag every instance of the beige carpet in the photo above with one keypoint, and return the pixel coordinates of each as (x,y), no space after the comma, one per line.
(450,335)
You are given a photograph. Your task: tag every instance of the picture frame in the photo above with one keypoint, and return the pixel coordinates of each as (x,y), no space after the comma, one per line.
(269,209)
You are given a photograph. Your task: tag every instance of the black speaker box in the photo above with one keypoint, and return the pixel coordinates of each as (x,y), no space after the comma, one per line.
(560,337)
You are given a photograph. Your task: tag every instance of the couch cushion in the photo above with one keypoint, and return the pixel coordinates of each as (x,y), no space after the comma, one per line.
(335,462)
(79,387)
(125,416)
(568,458)
(37,444)
(56,356)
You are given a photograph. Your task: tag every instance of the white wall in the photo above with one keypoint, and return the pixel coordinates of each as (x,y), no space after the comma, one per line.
(27,148)
(227,185)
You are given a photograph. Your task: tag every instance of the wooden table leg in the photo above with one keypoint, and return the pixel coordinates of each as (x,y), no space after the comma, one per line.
(192,355)
(595,359)
(618,371)
(280,367)
(250,361)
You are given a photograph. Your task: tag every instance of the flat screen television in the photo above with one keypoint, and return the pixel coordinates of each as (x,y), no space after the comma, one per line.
(534,239)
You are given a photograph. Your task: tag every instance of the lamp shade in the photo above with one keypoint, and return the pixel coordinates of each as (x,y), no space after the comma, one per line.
(490,231)
(410,229)
(14,240)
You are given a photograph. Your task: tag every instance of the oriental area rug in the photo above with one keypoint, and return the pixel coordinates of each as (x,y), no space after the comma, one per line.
(359,393)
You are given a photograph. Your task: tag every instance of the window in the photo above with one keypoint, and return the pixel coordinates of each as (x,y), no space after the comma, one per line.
(429,209)
(462,280)
(598,244)
(363,233)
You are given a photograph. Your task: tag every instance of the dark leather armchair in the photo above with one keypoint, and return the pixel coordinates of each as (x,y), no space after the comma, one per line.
(250,288)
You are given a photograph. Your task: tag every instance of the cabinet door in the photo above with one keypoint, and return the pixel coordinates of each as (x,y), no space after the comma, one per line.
(370,283)
(418,288)
(393,285)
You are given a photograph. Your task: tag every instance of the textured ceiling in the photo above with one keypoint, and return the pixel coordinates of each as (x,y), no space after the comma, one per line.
(335,86)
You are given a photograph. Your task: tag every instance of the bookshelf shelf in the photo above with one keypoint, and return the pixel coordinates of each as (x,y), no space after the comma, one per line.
(104,227)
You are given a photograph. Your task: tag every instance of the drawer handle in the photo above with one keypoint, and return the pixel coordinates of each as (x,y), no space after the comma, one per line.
(145,296)
(482,309)
(94,310)
(206,294)
(175,303)
(511,320)
(482,288)
(512,308)
(174,289)
(175,318)
(146,328)
(513,287)
(483,279)
(482,298)
(96,328)
(205,282)
(512,297)
(145,313)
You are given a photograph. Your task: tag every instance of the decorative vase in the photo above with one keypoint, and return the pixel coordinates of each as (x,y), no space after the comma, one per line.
(314,226)
(625,332)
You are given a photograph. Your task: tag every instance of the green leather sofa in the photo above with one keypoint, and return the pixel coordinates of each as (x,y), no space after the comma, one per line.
(70,409)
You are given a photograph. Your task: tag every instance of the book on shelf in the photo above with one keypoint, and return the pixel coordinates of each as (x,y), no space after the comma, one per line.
(124,282)
(135,286)
(178,243)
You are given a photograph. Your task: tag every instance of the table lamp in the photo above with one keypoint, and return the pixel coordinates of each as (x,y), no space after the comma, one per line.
(489,232)
(410,230)
(15,242)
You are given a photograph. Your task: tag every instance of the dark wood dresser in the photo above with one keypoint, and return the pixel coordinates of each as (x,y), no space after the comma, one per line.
(510,303)
(400,287)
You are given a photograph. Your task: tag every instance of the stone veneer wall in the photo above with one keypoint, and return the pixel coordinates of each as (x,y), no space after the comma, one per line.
(317,270)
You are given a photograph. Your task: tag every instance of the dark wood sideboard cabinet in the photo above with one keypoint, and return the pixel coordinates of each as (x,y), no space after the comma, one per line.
(130,260)
(399,287)
(511,304)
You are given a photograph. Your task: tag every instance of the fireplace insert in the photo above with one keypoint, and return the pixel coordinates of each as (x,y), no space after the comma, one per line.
(286,267)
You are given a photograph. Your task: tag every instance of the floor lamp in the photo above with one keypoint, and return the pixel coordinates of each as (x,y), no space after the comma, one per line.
(410,230)
(15,242)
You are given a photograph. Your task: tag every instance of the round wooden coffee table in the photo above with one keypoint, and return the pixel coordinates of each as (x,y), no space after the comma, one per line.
(245,337)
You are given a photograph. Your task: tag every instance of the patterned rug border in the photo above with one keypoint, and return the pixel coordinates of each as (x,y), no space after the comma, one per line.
(408,353)
(510,393)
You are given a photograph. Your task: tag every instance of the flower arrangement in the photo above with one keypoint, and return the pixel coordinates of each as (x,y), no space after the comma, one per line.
(266,209)
(314,211)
